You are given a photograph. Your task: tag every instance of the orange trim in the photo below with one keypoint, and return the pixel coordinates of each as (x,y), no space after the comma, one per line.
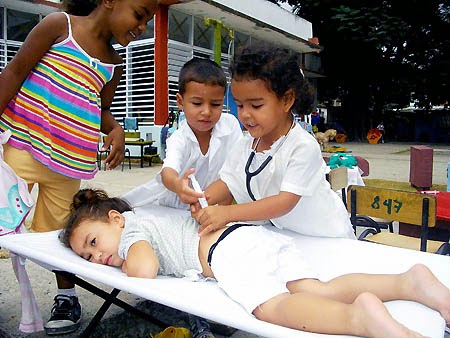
(161,65)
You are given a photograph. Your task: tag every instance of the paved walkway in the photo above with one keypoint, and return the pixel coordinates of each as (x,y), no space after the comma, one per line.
(388,161)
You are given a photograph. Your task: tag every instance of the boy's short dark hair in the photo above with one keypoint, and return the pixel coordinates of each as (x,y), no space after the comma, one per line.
(202,71)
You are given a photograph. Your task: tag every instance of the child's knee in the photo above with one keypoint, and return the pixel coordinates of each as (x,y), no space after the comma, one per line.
(366,301)
(268,310)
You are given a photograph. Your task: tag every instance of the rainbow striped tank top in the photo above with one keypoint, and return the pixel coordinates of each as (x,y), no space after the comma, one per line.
(56,114)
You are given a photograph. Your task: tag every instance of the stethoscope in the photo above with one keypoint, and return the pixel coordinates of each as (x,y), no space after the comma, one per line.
(248,174)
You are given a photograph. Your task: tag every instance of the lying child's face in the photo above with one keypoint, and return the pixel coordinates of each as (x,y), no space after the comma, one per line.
(98,241)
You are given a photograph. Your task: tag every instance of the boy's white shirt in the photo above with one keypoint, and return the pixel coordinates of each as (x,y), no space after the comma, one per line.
(183,153)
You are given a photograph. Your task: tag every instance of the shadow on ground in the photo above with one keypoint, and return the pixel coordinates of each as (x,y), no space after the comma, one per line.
(122,324)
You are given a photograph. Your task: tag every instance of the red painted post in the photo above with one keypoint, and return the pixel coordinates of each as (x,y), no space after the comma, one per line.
(161,65)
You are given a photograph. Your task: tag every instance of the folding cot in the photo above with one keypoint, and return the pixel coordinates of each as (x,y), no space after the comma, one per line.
(331,257)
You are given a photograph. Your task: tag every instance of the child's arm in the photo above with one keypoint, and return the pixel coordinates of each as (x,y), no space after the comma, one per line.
(216,217)
(218,193)
(141,261)
(180,185)
(51,29)
(109,125)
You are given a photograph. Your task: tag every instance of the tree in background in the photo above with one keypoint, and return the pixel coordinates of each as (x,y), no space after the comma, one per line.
(378,53)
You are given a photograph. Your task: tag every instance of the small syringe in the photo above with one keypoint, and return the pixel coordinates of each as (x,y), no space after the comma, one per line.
(196,186)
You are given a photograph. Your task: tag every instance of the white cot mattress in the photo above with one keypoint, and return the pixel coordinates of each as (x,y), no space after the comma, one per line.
(330,257)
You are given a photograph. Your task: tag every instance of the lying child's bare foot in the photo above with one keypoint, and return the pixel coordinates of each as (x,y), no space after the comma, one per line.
(429,291)
(379,321)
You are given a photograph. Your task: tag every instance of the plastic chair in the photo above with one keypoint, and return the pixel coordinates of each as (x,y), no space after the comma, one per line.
(402,206)
(130,123)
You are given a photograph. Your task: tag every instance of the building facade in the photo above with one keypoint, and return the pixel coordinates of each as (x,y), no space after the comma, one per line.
(202,28)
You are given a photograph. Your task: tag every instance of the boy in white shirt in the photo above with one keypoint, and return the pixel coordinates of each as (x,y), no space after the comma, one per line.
(201,143)
(199,146)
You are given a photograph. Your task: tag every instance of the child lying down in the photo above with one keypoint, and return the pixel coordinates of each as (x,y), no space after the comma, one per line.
(258,268)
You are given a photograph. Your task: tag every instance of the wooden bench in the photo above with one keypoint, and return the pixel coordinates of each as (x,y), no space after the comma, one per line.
(402,206)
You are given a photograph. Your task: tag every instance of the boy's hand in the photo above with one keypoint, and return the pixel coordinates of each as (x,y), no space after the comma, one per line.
(115,139)
(211,219)
(184,191)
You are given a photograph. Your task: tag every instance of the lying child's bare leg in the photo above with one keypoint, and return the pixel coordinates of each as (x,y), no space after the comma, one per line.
(417,284)
(313,313)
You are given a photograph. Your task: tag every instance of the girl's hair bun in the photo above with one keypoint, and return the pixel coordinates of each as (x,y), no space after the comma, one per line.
(88,197)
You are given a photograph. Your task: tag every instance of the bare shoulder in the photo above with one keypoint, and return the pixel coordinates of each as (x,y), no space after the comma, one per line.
(55,25)
(57,20)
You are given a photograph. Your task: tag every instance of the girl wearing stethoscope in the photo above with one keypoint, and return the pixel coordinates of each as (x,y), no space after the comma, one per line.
(276,174)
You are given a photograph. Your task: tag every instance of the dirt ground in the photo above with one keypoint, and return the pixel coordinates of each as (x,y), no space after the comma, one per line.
(389,161)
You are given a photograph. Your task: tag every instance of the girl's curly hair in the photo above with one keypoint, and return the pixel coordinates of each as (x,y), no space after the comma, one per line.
(90,204)
(278,67)
(79,7)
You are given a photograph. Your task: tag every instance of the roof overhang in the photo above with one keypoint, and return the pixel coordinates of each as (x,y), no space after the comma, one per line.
(38,7)
(257,18)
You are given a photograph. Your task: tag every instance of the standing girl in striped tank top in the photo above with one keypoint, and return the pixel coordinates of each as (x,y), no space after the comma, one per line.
(55,97)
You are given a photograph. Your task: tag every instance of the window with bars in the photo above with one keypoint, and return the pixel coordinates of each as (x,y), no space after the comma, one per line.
(18,25)
(203,35)
(1,23)
(180,26)
(179,54)
(226,42)
(135,95)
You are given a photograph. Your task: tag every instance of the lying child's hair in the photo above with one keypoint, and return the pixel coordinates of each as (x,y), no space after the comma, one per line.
(90,204)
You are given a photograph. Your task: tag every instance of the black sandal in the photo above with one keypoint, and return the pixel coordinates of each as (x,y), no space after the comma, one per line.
(200,327)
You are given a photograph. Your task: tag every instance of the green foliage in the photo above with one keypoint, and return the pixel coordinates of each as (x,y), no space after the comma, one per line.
(380,51)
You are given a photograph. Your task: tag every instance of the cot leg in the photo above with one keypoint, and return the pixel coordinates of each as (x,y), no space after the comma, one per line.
(110,298)
(99,315)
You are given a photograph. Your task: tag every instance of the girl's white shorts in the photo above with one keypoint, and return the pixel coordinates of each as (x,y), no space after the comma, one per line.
(252,264)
